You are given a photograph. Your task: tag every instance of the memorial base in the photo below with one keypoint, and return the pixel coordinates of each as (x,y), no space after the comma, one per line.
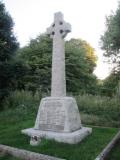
(58,114)
(70,138)
(58,118)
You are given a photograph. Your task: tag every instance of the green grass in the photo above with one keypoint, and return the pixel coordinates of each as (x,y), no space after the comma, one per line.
(13,121)
(7,157)
(115,153)
(20,113)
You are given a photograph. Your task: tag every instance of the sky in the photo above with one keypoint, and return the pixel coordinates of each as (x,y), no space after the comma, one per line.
(87,18)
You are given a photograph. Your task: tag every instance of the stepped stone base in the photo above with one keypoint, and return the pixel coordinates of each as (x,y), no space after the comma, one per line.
(58,118)
(70,138)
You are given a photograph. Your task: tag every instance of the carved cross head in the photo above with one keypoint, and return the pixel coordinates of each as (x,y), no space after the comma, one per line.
(59,27)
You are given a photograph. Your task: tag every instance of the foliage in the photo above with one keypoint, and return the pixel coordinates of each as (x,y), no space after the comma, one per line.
(97,110)
(110,40)
(111,84)
(8,46)
(19,99)
(118,90)
(37,57)
(80,63)
(94,110)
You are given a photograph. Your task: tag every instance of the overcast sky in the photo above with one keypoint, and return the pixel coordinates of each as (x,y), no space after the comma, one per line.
(87,17)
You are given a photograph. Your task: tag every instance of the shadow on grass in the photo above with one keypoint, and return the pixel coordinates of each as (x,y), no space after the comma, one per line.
(8,157)
(115,153)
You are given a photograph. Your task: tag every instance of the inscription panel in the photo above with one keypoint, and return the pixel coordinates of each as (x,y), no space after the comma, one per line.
(52,116)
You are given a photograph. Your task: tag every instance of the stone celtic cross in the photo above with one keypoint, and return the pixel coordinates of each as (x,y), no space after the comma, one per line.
(58,31)
(58,116)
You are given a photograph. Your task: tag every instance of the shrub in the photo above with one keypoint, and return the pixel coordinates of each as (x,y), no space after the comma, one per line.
(22,98)
(99,110)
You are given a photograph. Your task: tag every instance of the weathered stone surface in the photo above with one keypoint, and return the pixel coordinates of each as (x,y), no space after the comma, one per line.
(24,154)
(70,138)
(58,114)
(58,118)
(58,30)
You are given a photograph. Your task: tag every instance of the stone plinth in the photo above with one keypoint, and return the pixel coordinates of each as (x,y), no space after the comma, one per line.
(58,114)
(70,138)
(58,118)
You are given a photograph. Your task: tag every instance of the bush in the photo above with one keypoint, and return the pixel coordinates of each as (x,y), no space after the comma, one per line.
(20,105)
(97,104)
(94,110)
(99,110)
(22,98)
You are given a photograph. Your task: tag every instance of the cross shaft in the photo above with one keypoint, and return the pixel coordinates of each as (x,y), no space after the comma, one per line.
(57,31)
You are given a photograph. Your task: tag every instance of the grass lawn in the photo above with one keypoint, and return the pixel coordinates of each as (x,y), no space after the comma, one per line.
(13,121)
(115,153)
(8,158)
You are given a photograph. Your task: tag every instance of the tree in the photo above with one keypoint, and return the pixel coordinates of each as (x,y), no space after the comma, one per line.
(8,46)
(111,84)
(110,40)
(80,63)
(37,57)
(110,43)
